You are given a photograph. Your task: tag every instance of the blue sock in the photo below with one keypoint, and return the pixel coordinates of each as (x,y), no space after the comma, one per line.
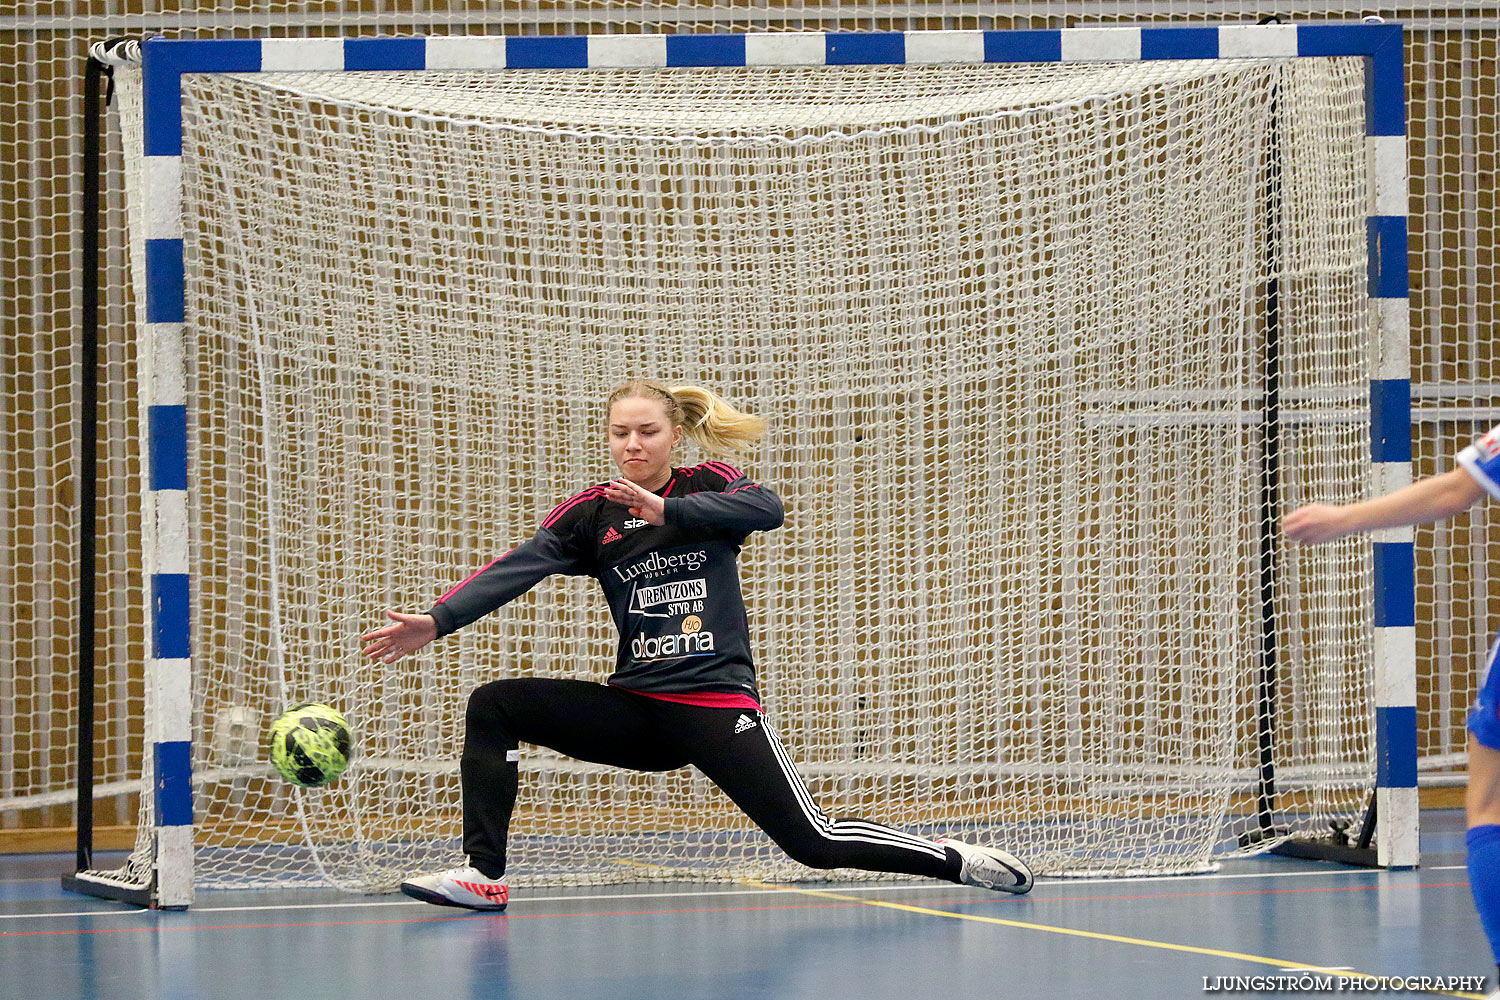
(1484,880)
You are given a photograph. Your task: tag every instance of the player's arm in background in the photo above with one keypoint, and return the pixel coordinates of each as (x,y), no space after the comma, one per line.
(1431,499)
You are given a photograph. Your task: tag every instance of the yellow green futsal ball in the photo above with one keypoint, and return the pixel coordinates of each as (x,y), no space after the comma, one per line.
(310,745)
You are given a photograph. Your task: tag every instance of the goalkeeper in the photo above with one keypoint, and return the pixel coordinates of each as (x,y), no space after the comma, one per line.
(663,543)
(1432,499)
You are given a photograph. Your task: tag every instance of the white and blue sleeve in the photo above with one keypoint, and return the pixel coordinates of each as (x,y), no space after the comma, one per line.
(1482,459)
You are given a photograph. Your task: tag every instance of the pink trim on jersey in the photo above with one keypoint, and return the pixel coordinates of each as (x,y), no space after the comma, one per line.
(465,581)
(670,485)
(570,503)
(729,472)
(740,489)
(703,699)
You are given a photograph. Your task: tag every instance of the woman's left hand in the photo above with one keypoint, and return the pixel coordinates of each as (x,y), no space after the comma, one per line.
(642,502)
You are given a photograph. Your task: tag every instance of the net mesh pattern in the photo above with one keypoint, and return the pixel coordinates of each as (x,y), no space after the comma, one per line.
(1008,330)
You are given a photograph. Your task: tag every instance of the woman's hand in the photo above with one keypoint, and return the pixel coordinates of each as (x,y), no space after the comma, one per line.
(409,634)
(1422,502)
(642,502)
(1316,523)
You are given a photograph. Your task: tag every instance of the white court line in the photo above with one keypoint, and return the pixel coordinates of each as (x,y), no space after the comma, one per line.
(703,894)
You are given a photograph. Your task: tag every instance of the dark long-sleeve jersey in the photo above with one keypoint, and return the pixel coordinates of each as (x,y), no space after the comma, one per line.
(673,589)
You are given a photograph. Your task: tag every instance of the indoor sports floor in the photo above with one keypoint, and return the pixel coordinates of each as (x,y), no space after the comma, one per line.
(1231,933)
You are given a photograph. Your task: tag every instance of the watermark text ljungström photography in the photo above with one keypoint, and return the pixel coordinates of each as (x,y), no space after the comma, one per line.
(1337,982)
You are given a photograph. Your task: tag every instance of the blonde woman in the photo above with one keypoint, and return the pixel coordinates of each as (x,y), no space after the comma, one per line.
(663,543)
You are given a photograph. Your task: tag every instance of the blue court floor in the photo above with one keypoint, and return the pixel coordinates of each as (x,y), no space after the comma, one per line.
(1254,928)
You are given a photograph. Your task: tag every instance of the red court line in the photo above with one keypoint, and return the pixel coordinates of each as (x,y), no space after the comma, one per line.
(421,920)
(832,905)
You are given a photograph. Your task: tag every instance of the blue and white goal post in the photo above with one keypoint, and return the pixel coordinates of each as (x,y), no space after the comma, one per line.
(165,396)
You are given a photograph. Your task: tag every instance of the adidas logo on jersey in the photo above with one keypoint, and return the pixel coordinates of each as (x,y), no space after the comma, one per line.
(611,536)
(743,723)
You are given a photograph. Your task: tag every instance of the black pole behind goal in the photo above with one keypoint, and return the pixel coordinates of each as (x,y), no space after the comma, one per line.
(88,446)
(1270,487)
(88,477)
(1335,845)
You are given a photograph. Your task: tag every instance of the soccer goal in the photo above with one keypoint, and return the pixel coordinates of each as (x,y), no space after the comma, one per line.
(1049,328)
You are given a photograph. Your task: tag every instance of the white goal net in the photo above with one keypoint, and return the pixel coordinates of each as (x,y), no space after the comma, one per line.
(1009,328)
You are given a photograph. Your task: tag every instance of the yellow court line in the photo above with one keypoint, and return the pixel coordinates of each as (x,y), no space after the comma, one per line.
(1118,939)
(1071,932)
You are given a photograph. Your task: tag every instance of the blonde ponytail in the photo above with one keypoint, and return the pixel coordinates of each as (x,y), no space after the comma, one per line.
(718,428)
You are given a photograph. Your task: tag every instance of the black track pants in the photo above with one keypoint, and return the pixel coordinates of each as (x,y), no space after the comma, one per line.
(605,725)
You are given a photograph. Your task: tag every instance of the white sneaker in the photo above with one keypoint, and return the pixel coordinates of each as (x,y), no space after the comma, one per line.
(991,868)
(464,886)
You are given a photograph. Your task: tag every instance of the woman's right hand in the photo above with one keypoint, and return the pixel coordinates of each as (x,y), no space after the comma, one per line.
(1317,522)
(409,634)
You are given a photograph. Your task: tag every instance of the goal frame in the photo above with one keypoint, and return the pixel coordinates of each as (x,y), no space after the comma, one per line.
(164,400)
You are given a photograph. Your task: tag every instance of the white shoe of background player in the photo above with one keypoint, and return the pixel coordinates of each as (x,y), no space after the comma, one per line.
(991,868)
(466,887)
